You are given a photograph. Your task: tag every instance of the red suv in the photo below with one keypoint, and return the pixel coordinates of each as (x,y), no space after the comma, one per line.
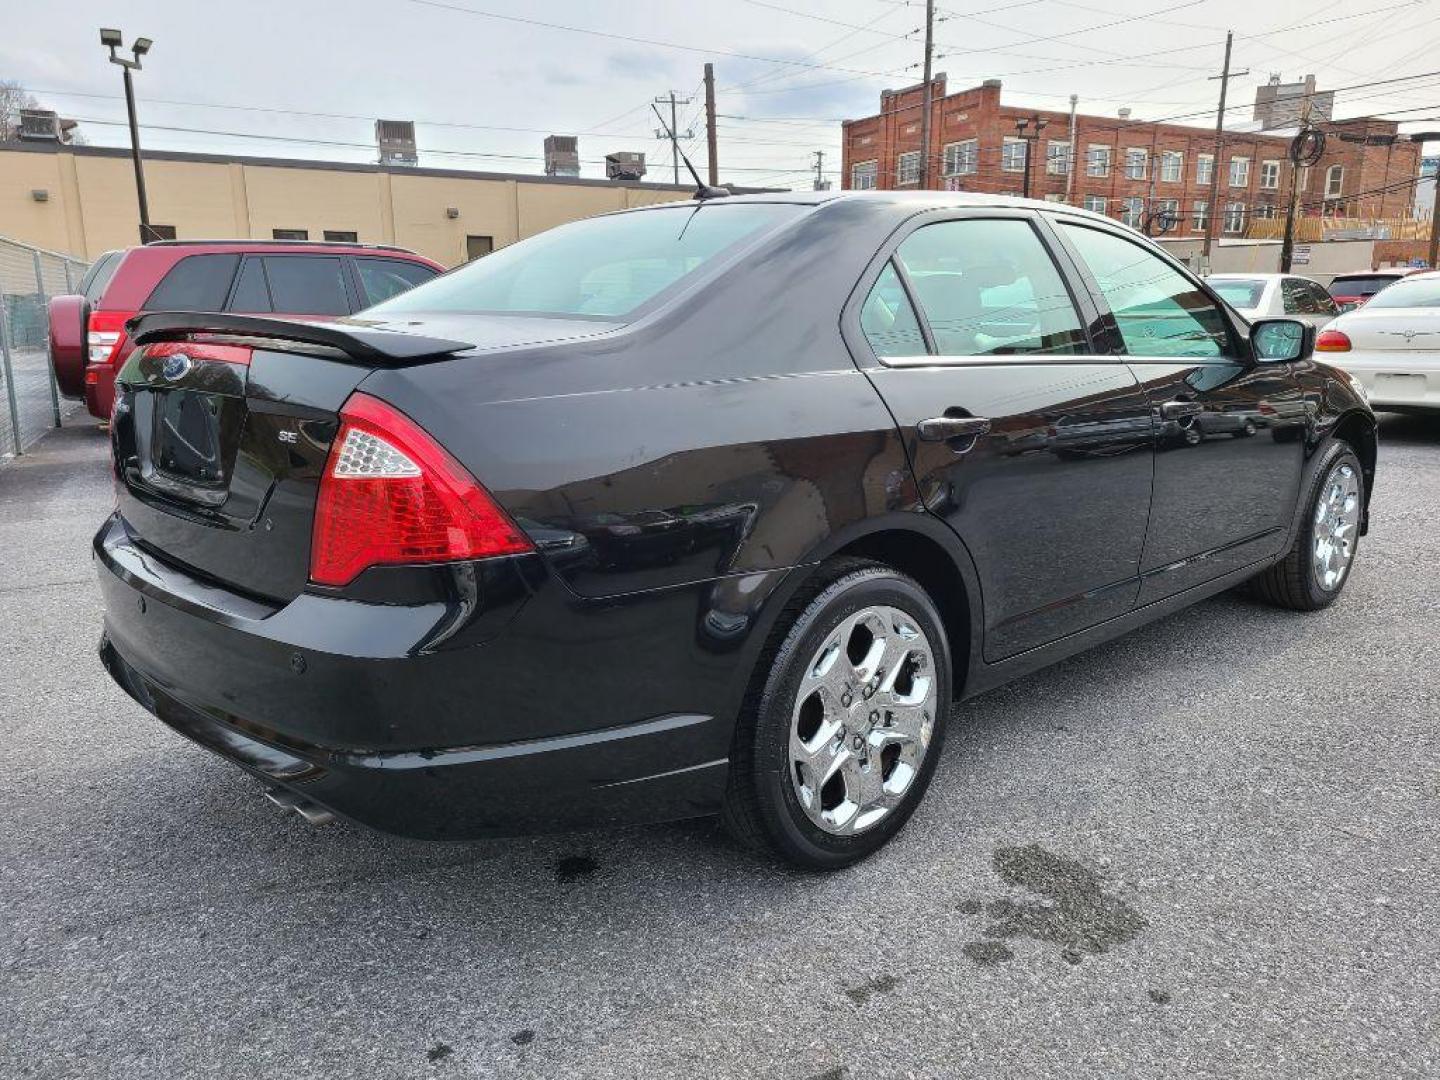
(289,277)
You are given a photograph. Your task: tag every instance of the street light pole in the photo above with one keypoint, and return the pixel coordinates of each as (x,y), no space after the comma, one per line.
(114,40)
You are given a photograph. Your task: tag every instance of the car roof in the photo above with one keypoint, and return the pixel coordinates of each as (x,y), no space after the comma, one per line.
(938,200)
(1257,276)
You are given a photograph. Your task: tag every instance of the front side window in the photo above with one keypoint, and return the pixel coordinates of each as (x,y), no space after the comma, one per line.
(908,168)
(1270,174)
(1095,203)
(307,284)
(1172,166)
(862,176)
(962,158)
(887,318)
(1012,154)
(598,267)
(1204,168)
(1097,161)
(1239,172)
(1135,160)
(989,288)
(1159,311)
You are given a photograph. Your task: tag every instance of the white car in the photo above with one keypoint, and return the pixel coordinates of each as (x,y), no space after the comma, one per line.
(1391,345)
(1268,296)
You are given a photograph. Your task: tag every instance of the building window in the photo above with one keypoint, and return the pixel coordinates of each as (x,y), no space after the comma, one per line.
(1097,161)
(1013,153)
(1132,211)
(1095,203)
(1058,198)
(1167,214)
(1239,172)
(1204,168)
(1200,214)
(1235,217)
(158,232)
(342,236)
(1135,161)
(1172,166)
(962,158)
(1057,157)
(477,247)
(1334,181)
(1264,210)
(1270,174)
(908,168)
(290,234)
(862,175)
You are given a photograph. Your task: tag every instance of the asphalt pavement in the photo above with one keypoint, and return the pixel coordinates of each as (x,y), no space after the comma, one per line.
(1209,849)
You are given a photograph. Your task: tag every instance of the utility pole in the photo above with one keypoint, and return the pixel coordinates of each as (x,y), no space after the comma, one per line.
(926,96)
(672,134)
(820,184)
(1214,210)
(710,139)
(1287,245)
(113,39)
(1070,174)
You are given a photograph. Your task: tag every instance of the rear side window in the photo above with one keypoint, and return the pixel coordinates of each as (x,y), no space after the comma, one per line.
(1298,298)
(888,320)
(251,293)
(602,267)
(989,288)
(195,283)
(1324,302)
(307,284)
(380,279)
(92,285)
(1158,310)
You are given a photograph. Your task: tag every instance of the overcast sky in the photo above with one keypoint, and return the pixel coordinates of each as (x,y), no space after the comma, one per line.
(787,70)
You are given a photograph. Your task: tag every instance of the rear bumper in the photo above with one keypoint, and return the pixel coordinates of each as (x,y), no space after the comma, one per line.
(1395,379)
(488,734)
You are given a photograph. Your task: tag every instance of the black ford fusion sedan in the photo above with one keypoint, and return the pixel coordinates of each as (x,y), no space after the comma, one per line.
(704,508)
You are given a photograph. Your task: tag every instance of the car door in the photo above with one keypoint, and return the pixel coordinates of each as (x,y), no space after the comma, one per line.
(1229,431)
(1031,446)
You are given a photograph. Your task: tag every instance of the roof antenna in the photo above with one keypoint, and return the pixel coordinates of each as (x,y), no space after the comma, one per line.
(702,190)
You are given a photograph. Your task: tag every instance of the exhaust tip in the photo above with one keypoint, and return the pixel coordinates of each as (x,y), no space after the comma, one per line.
(312,812)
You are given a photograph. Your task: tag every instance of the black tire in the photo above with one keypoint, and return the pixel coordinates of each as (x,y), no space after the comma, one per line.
(1290,583)
(761,809)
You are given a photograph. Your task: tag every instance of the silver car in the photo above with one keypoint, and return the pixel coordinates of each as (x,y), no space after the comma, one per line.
(1263,296)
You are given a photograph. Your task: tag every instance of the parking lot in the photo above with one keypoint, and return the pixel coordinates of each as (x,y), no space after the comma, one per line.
(1211,848)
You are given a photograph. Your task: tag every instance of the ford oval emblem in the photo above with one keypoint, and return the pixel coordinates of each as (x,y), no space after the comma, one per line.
(176,366)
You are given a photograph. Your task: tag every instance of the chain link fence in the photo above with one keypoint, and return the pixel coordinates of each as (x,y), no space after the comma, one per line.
(29,277)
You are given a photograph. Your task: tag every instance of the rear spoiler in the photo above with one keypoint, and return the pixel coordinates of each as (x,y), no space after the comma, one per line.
(358,340)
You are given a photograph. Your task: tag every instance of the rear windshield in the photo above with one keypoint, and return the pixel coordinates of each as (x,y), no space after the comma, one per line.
(1359,286)
(601,267)
(1239,292)
(1417,293)
(92,285)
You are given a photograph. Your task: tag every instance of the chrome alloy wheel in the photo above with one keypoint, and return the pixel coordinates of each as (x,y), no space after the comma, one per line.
(1337,521)
(863,720)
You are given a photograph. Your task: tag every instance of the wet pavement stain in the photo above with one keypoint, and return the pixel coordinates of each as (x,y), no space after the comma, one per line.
(839,1072)
(438,1052)
(970,906)
(575,867)
(988,953)
(1072,911)
(883,985)
(1160,997)
(523,1038)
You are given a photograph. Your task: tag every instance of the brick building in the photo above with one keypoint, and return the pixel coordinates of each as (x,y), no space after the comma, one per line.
(1141,172)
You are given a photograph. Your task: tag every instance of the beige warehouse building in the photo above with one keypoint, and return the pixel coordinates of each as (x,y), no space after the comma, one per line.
(81,200)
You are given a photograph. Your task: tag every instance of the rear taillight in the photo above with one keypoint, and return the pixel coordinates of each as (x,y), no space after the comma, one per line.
(1332,341)
(105,335)
(390,494)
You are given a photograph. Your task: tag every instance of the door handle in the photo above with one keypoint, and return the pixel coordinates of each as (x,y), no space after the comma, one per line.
(1178,410)
(941,428)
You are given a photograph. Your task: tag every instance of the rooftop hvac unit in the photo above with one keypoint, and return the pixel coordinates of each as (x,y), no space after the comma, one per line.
(562,155)
(44,124)
(626,165)
(396,139)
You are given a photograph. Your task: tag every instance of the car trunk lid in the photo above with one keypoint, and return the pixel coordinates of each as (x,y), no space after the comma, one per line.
(1408,330)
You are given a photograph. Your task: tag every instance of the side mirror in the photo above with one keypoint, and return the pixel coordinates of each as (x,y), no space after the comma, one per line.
(1278,341)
